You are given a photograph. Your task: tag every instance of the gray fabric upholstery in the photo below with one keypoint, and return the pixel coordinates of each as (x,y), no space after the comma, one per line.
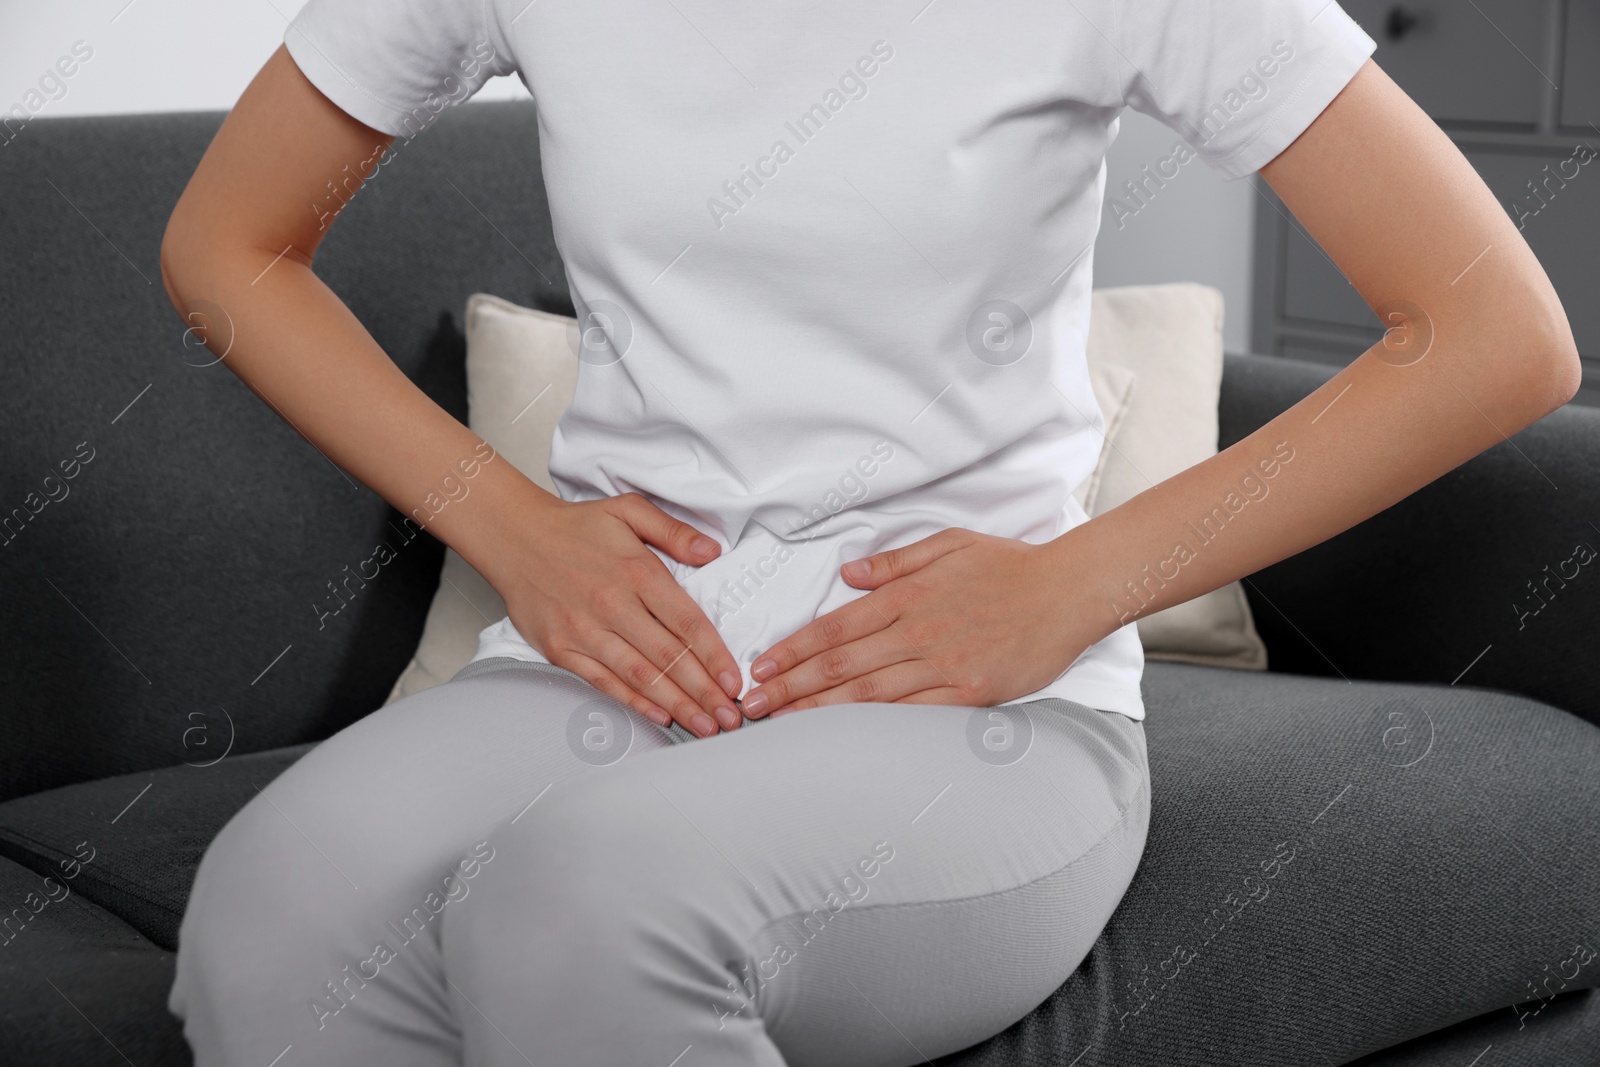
(143,606)
(1420,591)
(148,831)
(1442,859)
(80,986)
(1565,1033)
(200,535)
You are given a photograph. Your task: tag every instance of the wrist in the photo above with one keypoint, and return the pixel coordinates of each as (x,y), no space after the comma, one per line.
(492,523)
(1081,569)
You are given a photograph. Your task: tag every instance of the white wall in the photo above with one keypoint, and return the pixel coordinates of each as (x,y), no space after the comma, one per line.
(185,55)
(1195,228)
(150,55)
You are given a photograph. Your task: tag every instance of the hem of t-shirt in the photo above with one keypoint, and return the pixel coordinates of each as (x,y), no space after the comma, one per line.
(349,95)
(1336,66)
(493,642)
(1100,695)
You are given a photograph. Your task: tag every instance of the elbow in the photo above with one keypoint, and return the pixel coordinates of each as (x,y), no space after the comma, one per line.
(167,276)
(198,257)
(193,256)
(175,258)
(1528,364)
(1564,377)
(188,264)
(1556,371)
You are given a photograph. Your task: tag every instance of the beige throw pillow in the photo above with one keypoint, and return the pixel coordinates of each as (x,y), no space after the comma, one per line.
(1155,364)
(1170,337)
(522,368)
(1113,387)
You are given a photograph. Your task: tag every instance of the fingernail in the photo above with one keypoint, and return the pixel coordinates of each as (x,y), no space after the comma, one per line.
(728,718)
(763,669)
(755,704)
(659,717)
(703,546)
(857,569)
(730,683)
(702,725)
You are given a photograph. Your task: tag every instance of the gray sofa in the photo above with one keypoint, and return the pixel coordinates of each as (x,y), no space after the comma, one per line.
(1382,851)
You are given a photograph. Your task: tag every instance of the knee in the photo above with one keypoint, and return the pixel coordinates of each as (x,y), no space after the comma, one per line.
(218,930)
(262,890)
(235,875)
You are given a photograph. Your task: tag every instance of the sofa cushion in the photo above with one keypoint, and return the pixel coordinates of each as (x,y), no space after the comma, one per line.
(77,984)
(1564,1033)
(1331,868)
(132,843)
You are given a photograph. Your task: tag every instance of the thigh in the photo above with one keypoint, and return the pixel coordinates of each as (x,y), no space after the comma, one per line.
(314,915)
(851,885)
(1013,834)
(406,788)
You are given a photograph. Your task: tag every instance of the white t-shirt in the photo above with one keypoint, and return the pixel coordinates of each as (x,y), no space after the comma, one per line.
(833,259)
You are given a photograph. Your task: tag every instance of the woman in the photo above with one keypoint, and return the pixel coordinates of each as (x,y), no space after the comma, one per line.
(832,267)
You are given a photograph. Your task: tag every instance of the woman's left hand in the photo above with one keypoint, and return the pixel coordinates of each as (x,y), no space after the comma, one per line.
(958,618)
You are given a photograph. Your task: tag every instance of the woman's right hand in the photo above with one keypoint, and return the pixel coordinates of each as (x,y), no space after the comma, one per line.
(584,590)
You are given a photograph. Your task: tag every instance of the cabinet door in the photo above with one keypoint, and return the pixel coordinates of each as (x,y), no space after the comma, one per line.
(1314,289)
(1561,223)
(1477,63)
(1580,79)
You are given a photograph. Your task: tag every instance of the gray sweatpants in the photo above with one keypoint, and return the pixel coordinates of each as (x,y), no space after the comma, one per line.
(512,869)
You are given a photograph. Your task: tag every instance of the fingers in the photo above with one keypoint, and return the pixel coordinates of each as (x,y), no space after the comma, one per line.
(855,620)
(665,670)
(667,601)
(710,671)
(873,571)
(909,681)
(649,684)
(855,671)
(942,694)
(655,527)
(601,677)
(658,682)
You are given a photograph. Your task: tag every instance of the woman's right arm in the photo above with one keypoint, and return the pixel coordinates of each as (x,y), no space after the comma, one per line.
(577,579)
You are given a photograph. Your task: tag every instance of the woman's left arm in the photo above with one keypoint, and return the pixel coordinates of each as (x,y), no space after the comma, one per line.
(1477,348)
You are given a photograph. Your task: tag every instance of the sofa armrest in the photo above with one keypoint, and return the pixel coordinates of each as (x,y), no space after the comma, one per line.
(1488,577)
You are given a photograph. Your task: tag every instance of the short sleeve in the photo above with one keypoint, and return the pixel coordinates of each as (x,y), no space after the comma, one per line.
(1239,80)
(397,64)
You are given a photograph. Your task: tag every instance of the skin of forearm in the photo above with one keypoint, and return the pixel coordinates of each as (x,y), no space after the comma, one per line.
(236,260)
(1477,348)
(299,348)
(1376,432)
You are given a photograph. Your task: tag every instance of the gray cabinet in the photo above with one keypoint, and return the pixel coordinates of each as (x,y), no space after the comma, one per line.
(1517,86)
(1580,67)
(1560,221)
(1439,51)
